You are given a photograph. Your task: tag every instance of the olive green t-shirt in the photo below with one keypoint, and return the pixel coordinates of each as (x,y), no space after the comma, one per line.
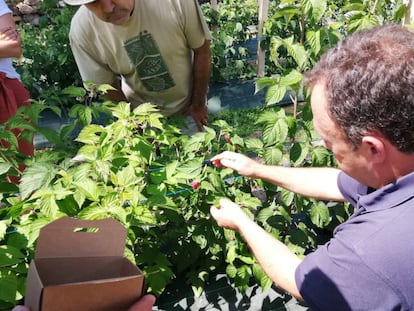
(151,53)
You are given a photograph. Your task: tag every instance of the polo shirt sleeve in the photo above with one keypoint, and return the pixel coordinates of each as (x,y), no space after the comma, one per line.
(335,277)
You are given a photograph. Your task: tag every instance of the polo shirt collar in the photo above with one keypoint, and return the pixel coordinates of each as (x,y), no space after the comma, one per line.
(388,196)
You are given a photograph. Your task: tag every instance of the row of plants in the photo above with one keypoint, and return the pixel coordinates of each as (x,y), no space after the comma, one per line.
(136,167)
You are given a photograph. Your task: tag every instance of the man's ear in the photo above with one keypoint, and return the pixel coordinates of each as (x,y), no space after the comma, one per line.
(375,148)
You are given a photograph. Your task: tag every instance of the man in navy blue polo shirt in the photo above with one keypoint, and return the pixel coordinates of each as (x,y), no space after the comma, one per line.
(363,106)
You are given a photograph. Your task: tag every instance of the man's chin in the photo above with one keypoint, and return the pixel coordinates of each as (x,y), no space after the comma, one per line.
(118,21)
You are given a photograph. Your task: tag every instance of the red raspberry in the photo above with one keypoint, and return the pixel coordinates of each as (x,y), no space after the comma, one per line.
(195,184)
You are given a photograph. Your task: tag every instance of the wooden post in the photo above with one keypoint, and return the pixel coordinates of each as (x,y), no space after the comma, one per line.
(263,14)
(408,12)
(214,8)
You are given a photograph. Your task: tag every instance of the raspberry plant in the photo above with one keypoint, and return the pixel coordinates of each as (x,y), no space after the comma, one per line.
(139,169)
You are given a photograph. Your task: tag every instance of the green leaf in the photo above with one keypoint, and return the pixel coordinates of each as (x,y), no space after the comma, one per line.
(17,122)
(253,143)
(93,212)
(314,40)
(292,78)
(190,169)
(276,132)
(4,168)
(48,204)
(320,215)
(10,256)
(275,94)
(273,156)
(287,197)
(126,176)
(9,287)
(35,177)
(104,88)
(4,224)
(259,274)
(231,271)
(85,116)
(89,188)
(74,91)
(320,156)
(318,9)
(88,135)
(231,253)
(8,137)
(50,135)
(298,153)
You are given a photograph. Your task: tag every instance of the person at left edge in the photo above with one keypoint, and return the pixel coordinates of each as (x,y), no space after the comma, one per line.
(154,51)
(13,93)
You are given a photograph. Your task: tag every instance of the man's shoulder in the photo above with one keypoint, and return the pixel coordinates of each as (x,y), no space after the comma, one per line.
(82,22)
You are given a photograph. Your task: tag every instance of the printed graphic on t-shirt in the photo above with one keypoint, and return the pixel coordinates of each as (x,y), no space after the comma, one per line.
(144,53)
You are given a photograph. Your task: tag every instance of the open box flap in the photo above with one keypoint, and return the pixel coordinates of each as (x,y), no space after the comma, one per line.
(70,237)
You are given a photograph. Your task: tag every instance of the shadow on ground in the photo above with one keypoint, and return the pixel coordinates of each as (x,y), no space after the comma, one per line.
(220,294)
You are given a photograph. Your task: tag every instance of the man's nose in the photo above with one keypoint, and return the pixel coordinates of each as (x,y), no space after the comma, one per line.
(107,6)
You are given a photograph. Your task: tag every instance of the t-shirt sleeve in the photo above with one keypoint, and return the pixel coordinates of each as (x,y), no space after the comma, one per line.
(195,26)
(89,66)
(4,9)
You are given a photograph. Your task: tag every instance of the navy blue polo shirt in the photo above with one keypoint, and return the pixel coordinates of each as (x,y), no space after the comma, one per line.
(369,262)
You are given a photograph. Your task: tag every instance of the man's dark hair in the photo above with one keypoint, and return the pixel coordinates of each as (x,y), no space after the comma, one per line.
(369,83)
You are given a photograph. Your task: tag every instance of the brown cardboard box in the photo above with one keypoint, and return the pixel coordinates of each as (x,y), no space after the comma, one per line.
(79,265)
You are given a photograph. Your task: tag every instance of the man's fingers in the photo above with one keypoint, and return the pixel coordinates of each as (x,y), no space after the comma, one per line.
(145,303)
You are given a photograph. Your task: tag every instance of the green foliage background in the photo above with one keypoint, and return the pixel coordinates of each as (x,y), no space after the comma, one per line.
(136,167)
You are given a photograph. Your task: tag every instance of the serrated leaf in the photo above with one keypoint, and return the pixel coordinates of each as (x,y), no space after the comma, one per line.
(314,40)
(287,197)
(17,122)
(259,274)
(276,132)
(320,156)
(89,188)
(298,153)
(273,156)
(93,212)
(320,215)
(292,78)
(85,116)
(4,224)
(48,206)
(253,143)
(318,9)
(274,94)
(126,176)
(35,177)
(4,168)
(190,169)
(88,134)
(9,287)
(231,253)
(145,109)
(104,88)
(10,256)
(50,135)
(74,91)
(9,137)
(231,271)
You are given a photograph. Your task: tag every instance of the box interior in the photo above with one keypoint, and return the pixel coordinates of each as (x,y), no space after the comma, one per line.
(57,271)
